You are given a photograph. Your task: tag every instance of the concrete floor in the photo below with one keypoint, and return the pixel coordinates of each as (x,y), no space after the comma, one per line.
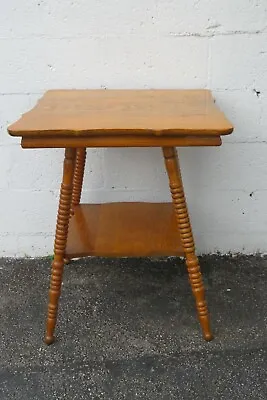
(127,329)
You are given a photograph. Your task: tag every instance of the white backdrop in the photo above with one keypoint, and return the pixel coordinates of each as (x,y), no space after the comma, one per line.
(217,44)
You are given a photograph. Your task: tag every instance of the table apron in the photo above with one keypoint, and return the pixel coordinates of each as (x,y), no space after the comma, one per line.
(28,142)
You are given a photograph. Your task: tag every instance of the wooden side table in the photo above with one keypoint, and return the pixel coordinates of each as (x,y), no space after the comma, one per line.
(77,119)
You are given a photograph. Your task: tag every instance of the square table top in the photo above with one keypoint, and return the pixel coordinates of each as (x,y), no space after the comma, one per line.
(83,113)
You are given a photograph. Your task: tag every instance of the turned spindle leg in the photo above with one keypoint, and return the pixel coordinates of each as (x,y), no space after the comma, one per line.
(183,222)
(78,177)
(77,184)
(60,242)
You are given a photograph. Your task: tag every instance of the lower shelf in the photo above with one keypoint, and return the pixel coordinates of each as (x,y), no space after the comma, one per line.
(123,229)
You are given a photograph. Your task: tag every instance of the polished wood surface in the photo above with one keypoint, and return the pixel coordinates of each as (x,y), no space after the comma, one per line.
(113,112)
(187,240)
(120,141)
(76,119)
(123,229)
(78,177)
(60,242)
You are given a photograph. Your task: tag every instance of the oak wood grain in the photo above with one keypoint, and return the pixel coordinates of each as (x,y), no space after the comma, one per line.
(76,119)
(123,229)
(114,112)
(119,141)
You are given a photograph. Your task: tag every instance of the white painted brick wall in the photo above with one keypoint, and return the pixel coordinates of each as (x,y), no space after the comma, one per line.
(217,44)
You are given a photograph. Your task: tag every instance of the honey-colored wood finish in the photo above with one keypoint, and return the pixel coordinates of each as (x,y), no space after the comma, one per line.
(78,177)
(184,227)
(60,242)
(112,112)
(123,229)
(77,119)
(120,141)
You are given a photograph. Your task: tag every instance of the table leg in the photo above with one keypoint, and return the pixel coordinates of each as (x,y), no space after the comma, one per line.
(78,177)
(77,183)
(60,242)
(184,226)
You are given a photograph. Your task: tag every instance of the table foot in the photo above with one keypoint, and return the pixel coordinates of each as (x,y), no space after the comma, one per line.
(49,340)
(67,260)
(208,337)
(198,290)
